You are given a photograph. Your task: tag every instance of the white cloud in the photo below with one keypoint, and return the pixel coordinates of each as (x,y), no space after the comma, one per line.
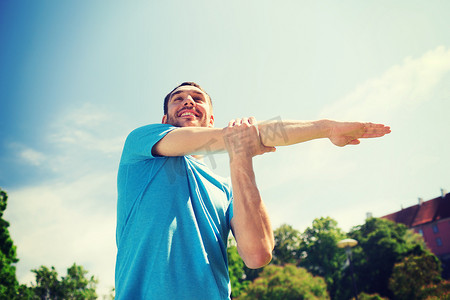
(32,156)
(402,87)
(90,128)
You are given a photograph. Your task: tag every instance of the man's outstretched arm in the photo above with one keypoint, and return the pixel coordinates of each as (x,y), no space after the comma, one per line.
(202,140)
(284,133)
(250,224)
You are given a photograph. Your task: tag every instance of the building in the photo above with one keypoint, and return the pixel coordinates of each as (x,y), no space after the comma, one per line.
(431,219)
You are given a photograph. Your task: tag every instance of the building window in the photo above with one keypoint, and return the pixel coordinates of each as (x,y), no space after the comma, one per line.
(435,228)
(439,242)
(421,232)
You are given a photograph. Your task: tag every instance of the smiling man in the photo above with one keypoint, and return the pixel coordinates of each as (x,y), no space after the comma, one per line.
(179,113)
(174,214)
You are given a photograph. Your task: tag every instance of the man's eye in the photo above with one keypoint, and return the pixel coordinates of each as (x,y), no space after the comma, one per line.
(178,99)
(198,99)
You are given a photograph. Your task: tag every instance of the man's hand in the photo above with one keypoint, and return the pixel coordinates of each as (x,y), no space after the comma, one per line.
(242,139)
(349,133)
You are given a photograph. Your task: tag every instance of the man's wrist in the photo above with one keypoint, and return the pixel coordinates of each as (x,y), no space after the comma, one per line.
(239,159)
(325,128)
(242,168)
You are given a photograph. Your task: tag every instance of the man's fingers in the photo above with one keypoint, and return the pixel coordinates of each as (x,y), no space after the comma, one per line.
(372,126)
(372,130)
(239,121)
(354,142)
(243,137)
(270,149)
(235,122)
(349,133)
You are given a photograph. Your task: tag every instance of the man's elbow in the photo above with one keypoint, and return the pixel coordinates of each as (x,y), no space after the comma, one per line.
(258,260)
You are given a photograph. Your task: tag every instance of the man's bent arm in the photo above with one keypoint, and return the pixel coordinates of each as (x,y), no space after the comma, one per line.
(250,223)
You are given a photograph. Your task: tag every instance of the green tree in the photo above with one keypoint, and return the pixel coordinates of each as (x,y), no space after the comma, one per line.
(236,271)
(48,285)
(73,286)
(252,274)
(413,274)
(438,291)
(8,281)
(364,296)
(287,245)
(286,283)
(77,286)
(382,244)
(320,254)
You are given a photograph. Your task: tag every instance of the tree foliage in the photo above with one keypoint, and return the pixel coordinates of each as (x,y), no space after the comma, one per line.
(320,254)
(364,296)
(74,285)
(412,274)
(286,283)
(236,271)
(287,245)
(48,285)
(77,286)
(382,244)
(438,291)
(389,262)
(8,281)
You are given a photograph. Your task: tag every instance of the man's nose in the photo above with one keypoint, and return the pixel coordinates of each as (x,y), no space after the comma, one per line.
(188,101)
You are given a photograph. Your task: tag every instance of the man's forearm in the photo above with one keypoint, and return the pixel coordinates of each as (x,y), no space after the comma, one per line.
(283,133)
(251,225)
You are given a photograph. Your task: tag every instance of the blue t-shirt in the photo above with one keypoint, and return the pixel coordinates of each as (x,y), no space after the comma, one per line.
(173,221)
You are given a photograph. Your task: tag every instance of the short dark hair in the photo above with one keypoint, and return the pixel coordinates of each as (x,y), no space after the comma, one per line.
(167,98)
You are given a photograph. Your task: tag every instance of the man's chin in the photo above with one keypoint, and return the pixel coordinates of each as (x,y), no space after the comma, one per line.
(186,123)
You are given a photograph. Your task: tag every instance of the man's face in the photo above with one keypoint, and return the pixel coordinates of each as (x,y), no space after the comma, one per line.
(189,106)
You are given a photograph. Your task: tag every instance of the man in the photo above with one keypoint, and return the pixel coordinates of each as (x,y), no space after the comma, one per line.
(174,215)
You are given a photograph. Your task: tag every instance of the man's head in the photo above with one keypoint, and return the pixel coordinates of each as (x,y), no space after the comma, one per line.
(188,105)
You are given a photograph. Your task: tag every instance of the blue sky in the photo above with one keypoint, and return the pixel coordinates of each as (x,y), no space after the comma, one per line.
(77,76)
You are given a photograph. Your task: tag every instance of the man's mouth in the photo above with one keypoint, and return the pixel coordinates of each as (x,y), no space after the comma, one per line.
(187,113)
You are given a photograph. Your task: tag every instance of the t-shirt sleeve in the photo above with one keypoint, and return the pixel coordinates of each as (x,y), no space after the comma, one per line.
(139,143)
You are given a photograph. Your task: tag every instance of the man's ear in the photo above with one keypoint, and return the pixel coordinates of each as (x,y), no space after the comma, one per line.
(164,119)
(211,121)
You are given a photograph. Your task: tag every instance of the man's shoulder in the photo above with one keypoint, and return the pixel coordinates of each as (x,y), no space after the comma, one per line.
(151,129)
(140,141)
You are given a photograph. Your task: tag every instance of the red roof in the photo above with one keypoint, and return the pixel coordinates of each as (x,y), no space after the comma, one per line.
(429,211)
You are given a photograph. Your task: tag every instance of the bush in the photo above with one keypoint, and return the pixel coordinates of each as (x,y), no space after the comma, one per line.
(286,283)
